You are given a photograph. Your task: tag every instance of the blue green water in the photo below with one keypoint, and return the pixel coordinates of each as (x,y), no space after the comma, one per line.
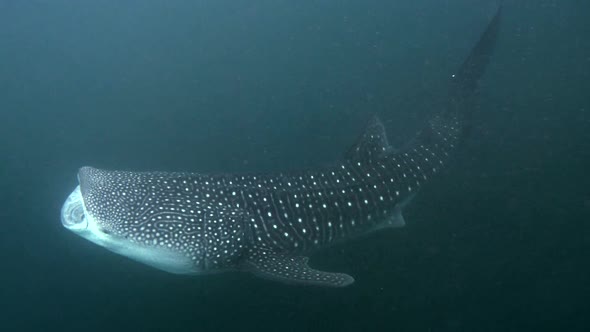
(499,242)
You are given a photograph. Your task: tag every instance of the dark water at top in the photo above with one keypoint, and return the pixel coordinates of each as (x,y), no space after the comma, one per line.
(500,242)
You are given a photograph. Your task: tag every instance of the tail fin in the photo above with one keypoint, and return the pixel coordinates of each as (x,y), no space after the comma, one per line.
(450,126)
(464,82)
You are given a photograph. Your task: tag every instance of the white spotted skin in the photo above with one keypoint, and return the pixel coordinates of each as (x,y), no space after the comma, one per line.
(173,221)
(191,223)
(267,224)
(88,227)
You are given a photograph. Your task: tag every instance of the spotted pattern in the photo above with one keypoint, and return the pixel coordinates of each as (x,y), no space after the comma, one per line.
(175,211)
(300,212)
(212,218)
(266,223)
(292,269)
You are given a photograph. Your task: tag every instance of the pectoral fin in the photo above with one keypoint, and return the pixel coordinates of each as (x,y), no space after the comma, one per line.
(292,270)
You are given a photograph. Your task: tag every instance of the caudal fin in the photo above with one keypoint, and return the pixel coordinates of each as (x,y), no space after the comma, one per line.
(464,82)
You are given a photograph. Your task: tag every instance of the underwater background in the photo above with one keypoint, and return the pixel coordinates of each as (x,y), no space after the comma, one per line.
(499,242)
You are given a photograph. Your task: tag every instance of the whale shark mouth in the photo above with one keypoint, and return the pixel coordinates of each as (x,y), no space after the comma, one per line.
(73,214)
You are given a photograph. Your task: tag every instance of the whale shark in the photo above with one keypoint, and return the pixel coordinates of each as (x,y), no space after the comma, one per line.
(269,224)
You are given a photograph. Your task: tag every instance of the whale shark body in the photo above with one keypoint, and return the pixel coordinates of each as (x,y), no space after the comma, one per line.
(268,224)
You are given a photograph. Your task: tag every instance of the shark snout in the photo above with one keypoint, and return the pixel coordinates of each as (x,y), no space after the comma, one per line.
(72,213)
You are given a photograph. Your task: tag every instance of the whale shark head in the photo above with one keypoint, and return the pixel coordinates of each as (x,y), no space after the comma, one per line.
(105,208)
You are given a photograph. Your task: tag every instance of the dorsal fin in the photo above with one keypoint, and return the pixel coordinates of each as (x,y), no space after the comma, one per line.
(371,144)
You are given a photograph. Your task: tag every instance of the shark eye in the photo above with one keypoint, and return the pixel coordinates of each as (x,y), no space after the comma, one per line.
(107,232)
